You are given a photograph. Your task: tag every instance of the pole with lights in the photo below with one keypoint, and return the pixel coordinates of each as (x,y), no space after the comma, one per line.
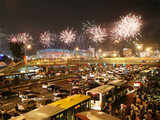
(139,49)
(99,52)
(77,50)
(26,47)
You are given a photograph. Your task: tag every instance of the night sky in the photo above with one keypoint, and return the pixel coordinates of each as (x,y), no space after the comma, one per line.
(39,15)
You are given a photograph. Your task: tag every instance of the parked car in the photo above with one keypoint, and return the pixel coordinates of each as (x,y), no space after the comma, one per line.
(26,106)
(28,95)
(52,87)
(60,95)
(8,94)
(38,76)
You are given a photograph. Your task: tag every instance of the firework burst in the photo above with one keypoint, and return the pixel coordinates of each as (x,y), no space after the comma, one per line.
(68,36)
(46,39)
(96,33)
(24,37)
(87,25)
(128,27)
(20,37)
(13,39)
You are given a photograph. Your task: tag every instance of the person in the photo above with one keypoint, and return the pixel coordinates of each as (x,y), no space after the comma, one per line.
(138,100)
(116,112)
(149,116)
(128,117)
(133,115)
(107,108)
(137,117)
(121,107)
(110,108)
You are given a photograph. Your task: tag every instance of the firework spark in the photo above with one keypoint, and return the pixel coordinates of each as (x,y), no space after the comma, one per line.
(46,38)
(87,25)
(96,33)
(13,39)
(67,36)
(24,37)
(128,27)
(20,37)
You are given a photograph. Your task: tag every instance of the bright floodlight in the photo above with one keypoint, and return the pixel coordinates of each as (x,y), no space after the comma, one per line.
(114,54)
(77,49)
(100,50)
(148,49)
(139,46)
(104,55)
(29,46)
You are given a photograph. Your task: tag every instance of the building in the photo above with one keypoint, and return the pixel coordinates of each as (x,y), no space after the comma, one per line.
(109,54)
(92,51)
(127,52)
(150,50)
(58,53)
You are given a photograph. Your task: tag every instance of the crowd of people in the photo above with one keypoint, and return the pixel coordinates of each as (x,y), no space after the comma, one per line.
(144,104)
(143,108)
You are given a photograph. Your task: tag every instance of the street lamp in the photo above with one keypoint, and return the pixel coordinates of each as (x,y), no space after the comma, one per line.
(26,47)
(104,55)
(149,51)
(77,49)
(29,46)
(139,48)
(99,52)
(114,55)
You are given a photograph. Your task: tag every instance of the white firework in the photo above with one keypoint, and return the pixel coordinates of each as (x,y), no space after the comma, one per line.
(20,37)
(46,38)
(128,27)
(96,33)
(13,39)
(68,36)
(23,37)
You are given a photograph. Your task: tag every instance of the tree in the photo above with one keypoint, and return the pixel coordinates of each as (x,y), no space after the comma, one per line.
(17,50)
(18,44)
